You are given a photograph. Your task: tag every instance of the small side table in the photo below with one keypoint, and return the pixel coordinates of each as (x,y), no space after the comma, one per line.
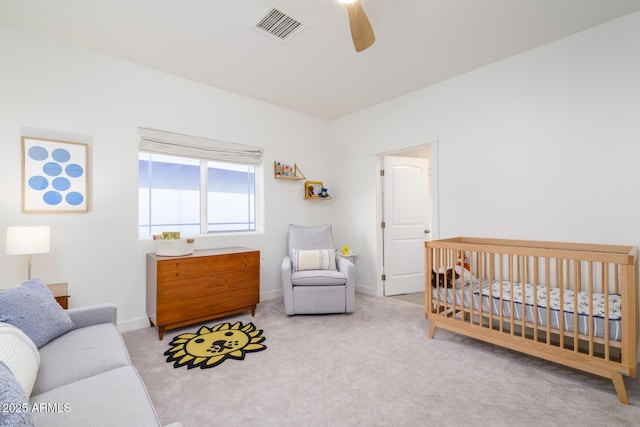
(60,292)
(351,256)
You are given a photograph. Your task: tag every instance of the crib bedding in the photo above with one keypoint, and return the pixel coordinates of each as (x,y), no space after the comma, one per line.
(489,293)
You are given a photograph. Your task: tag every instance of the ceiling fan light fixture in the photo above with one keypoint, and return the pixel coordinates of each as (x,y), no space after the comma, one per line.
(361,31)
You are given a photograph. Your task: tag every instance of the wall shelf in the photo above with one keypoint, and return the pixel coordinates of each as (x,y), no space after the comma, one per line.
(283,171)
(313,190)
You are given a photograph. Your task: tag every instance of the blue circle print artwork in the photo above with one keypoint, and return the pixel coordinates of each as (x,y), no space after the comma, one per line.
(52,169)
(38,182)
(38,153)
(61,155)
(52,198)
(74,198)
(61,184)
(55,175)
(74,171)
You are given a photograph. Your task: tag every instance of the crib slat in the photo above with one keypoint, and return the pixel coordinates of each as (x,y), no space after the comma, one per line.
(479,274)
(591,320)
(535,298)
(547,279)
(511,304)
(576,289)
(501,294)
(560,267)
(605,287)
(523,306)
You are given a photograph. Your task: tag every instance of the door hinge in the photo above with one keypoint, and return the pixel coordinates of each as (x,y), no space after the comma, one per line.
(381,172)
(384,277)
(382,224)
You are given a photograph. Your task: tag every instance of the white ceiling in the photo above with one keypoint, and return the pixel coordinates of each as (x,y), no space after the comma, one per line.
(318,72)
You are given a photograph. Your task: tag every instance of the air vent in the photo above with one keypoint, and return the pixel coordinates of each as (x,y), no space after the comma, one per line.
(278,24)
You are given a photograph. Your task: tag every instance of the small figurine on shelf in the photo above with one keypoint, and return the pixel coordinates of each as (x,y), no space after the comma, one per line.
(324,193)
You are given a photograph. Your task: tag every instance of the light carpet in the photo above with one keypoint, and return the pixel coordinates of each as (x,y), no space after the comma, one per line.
(374,367)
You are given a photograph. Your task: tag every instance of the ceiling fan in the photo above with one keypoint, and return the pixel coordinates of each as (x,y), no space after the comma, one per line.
(361,31)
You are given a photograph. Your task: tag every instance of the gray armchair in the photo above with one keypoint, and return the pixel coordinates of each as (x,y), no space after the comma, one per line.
(330,289)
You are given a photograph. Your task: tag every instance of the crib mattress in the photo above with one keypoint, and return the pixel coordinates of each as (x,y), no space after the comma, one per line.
(489,294)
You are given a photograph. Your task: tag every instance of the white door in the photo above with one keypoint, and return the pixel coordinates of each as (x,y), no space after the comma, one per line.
(405,203)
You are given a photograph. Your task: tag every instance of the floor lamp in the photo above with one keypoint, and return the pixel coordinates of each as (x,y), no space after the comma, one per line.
(28,241)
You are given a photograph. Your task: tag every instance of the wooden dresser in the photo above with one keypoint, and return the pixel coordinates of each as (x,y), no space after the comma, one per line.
(205,285)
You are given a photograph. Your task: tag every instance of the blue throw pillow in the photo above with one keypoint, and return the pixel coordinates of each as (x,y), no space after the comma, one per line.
(15,410)
(32,308)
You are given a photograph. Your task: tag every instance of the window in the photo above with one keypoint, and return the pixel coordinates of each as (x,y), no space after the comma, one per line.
(195,195)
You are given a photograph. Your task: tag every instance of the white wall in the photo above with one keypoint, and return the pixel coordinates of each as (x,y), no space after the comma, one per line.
(544,145)
(52,90)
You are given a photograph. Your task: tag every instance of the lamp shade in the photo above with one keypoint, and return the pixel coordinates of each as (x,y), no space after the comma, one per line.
(27,240)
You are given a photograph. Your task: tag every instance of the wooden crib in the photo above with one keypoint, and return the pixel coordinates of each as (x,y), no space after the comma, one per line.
(523,295)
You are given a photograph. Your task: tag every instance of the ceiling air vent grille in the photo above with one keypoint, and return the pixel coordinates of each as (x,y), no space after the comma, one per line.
(278,24)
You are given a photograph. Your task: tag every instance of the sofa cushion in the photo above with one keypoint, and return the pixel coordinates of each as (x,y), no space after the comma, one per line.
(31,307)
(20,355)
(114,398)
(79,354)
(313,259)
(15,409)
(318,278)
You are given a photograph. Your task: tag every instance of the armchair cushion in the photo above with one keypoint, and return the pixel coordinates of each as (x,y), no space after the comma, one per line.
(313,259)
(318,278)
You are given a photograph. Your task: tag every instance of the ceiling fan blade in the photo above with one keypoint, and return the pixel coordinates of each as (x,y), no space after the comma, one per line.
(361,31)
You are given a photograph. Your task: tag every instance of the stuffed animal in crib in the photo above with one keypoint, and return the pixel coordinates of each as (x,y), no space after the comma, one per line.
(445,279)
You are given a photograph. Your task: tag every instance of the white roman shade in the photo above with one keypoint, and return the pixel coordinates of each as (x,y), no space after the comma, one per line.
(175,144)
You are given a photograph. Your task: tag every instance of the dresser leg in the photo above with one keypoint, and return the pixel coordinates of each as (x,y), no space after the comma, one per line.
(160,332)
(253,311)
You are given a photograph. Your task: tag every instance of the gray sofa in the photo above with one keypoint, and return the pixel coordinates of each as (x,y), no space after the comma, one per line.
(88,369)
(86,378)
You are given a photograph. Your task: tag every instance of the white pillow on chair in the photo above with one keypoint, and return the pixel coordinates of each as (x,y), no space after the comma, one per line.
(313,259)
(20,354)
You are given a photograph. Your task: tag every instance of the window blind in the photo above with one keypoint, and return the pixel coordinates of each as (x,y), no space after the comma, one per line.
(175,144)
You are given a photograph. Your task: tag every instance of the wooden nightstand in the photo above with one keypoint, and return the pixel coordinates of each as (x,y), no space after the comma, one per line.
(60,292)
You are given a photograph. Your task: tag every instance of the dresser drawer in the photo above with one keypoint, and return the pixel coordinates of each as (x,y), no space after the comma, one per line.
(187,288)
(188,268)
(178,311)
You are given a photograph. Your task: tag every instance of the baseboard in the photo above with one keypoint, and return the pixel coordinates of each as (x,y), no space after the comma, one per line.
(366,290)
(133,324)
(265,296)
(143,322)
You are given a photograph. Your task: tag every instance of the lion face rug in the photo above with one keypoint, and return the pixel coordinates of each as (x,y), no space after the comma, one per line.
(210,347)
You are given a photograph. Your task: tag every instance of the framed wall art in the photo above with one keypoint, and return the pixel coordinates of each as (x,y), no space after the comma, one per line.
(54,176)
